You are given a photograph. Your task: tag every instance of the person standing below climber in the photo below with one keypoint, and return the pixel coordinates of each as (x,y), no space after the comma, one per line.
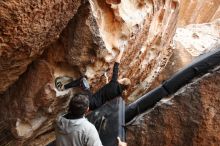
(112,89)
(73,129)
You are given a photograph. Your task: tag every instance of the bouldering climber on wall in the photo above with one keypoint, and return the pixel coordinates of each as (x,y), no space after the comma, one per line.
(112,89)
(109,91)
(73,129)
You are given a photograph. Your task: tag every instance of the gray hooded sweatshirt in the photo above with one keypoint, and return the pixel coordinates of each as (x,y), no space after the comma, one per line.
(76,132)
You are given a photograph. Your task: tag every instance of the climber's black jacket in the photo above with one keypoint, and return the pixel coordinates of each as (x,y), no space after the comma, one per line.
(107,92)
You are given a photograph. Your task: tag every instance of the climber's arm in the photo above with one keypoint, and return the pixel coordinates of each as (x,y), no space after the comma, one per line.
(118,58)
(116,65)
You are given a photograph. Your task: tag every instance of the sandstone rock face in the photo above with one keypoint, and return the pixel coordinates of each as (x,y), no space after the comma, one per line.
(88,46)
(188,43)
(74,38)
(198,39)
(26,28)
(198,11)
(190,117)
(146,28)
(35,93)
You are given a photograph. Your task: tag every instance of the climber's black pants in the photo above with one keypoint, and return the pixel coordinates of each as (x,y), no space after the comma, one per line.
(97,99)
(75,83)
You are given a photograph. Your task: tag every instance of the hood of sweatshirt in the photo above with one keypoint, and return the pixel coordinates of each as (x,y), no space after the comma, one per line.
(65,126)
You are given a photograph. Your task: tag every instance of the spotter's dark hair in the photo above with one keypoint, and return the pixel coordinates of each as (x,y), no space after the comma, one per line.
(79,104)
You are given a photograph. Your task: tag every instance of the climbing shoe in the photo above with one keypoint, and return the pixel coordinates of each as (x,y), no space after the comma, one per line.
(61,81)
(84,84)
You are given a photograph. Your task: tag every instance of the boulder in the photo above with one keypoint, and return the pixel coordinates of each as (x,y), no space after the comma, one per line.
(26,28)
(41,40)
(189,117)
(196,12)
(188,43)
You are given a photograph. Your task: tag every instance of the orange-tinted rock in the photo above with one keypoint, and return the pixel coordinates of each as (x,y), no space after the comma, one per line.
(198,11)
(90,40)
(32,93)
(188,43)
(33,97)
(198,39)
(190,117)
(147,29)
(32,103)
(26,28)
(30,106)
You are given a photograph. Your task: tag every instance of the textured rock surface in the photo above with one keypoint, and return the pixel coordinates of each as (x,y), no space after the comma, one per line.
(26,28)
(198,11)
(188,43)
(198,39)
(190,117)
(92,32)
(148,28)
(32,103)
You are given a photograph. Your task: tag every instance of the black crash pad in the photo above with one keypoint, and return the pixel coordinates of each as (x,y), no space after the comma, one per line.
(199,66)
(109,121)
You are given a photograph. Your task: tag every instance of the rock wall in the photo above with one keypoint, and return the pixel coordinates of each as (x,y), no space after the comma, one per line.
(198,39)
(198,11)
(188,43)
(41,40)
(31,104)
(26,28)
(190,117)
(152,23)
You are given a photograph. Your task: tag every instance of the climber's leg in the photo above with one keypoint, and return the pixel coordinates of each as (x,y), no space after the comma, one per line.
(80,82)
(74,83)
(63,83)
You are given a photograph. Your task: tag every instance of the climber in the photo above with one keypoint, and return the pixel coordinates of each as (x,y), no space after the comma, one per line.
(73,129)
(109,91)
